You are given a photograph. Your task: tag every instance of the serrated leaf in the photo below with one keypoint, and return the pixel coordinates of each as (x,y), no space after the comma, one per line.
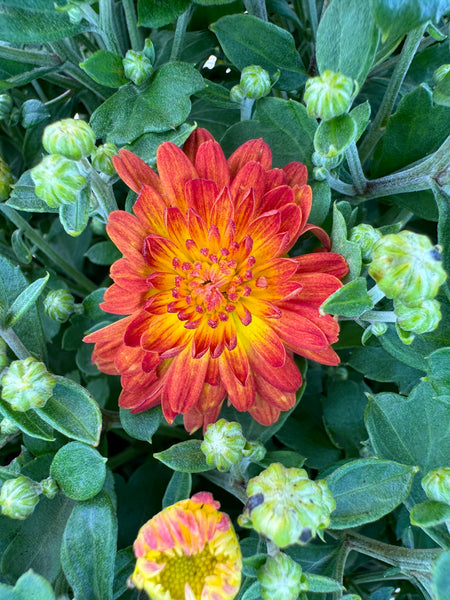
(185,456)
(105,68)
(143,425)
(351,300)
(178,488)
(147,145)
(28,422)
(430,513)
(24,301)
(339,243)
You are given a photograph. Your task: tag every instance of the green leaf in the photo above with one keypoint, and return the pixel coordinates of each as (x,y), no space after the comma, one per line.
(361,115)
(24,301)
(179,488)
(105,68)
(74,217)
(351,300)
(89,548)
(339,243)
(347,39)
(397,18)
(79,470)
(320,208)
(31,585)
(154,13)
(186,457)
(442,198)
(322,585)
(334,136)
(33,113)
(35,21)
(430,513)
(413,430)
(103,253)
(143,425)
(72,411)
(441,576)
(157,106)
(28,422)
(438,371)
(147,145)
(288,458)
(367,489)
(247,40)
(124,565)
(24,198)
(91,305)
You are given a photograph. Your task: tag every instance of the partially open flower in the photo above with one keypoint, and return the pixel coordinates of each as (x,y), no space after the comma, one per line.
(188,551)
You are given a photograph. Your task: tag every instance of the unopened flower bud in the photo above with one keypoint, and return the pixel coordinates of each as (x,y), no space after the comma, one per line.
(320,173)
(329,163)
(3,354)
(436,484)
(255,82)
(6,105)
(378,328)
(75,14)
(287,507)
(27,384)
(57,180)
(49,487)
(281,578)
(407,267)
(223,444)
(7,427)
(329,95)
(59,304)
(423,318)
(254,451)
(101,158)
(149,50)
(365,236)
(440,73)
(137,66)
(72,138)
(18,497)
(237,94)
(6,180)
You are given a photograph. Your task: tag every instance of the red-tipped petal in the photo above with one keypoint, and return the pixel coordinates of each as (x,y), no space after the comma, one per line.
(274,396)
(126,232)
(299,332)
(198,137)
(236,362)
(263,412)
(164,334)
(149,209)
(120,301)
(135,172)
(159,252)
(130,274)
(320,233)
(277,198)
(241,396)
(264,227)
(136,328)
(317,287)
(263,340)
(275,178)
(175,170)
(296,174)
(327,356)
(184,381)
(253,150)
(303,199)
(322,262)
(252,175)
(286,378)
(210,163)
(201,195)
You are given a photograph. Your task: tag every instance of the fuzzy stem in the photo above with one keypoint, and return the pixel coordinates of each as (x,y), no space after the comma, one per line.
(356,171)
(14,343)
(312,10)
(246,109)
(341,187)
(378,316)
(180,32)
(102,190)
(26,56)
(132,26)
(375,294)
(257,8)
(106,24)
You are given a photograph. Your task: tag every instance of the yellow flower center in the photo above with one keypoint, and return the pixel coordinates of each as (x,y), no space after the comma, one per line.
(184,569)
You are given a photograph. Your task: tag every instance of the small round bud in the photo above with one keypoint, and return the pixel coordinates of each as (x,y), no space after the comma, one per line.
(407,267)
(4,361)
(365,236)
(72,138)
(423,318)
(254,451)
(58,304)
(378,328)
(237,94)
(137,67)
(27,384)
(149,50)
(281,578)
(223,444)
(57,180)
(440,73)
(101,158)
(6,180)
(329,95)
(329,163)
(436,484)
(7,427)
(75,14)
(287,507)
(255,82)
(6,105)
(18,497)
(49,487)
(320,173)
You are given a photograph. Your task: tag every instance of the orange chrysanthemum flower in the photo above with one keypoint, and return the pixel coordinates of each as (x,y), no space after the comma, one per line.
(215,306)
(188,551)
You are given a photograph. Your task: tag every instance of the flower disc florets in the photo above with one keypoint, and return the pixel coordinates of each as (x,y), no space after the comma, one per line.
(188,551)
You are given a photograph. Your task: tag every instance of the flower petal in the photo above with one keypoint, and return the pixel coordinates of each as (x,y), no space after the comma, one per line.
(296,174)
(210,163)
(198,137)
(253,150)
(175,170)
(149,209)
(296,331)
(119,301)
(135,172)
(322,262)
(185,380)
(126,232)
(240,396)
(201,195)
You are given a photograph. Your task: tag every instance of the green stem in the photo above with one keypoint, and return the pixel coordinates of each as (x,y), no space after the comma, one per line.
(356,171)
(312,10)
(86,284)
(378,316)
(375,294)
(246,109)
(107,27)
(125,456)
(26,56)
(102,190)
(132,26)
(14,343)
(384,112)
(257,8)
(180,32)
(339,567)
(340,186)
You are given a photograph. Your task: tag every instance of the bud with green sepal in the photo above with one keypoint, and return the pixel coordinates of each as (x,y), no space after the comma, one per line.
(223,444)
(255,82)
(441,73)
(72,138)
(320,173)
(287,507)
(149,50)
(329,163)
(101,158)
(423,318)
(59,304)
(254,451)
(18,497)
(281,578)
(49,487)
(329,95)
(237,94)
(407,267)
(6,180)
(6,105)
(365,236)
(436,485)
(7,427)
(137,66)
(58,180)
(27,384)
(4,360)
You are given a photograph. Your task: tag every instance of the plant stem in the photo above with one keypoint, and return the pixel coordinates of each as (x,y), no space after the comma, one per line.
(86,284)
(378,316)
(312,10)
(257,8)
(106,25)
(356,171)
(14,343)
(246,109)
(384,112)
(340,186)
(375,294)
(40,59)
(180,32)
(102,190)
(132,26)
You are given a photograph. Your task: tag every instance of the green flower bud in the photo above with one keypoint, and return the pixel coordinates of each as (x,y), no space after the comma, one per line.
(255,82)
(101,158)
(223,444)
(57,180)
(237,94)
(137,66)
(49,487)
(149,50)
(27,384)
(365,236)
(287,507)
(440,73)
(281,578)
(7,427)
(407,267)
(18,497)
(419,319)
(329,95)
(406,337)
(329,163)
(378,328)
(6,180)
(58,304)
(254,451)
(72,138)
(320,173)
(75,14)
(6,105)
(3,354)
(436,484)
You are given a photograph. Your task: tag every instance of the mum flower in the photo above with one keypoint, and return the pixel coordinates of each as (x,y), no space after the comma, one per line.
(188,551)
(215,307)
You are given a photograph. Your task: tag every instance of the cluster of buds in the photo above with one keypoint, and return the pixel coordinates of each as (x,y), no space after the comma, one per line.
(329,95)
(254,84)
(366,237)
(27,384)
(138,66)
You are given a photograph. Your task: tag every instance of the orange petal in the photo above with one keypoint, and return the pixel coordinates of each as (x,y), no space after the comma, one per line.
(327,356)
(253,150)
(107,342)
(130,274)
(252,175)
(184,381)
(264,227)
(322,262)
(241,396)
(120,301)
(298,331)
(175,170)
(198,137)
(303,199)
(286,378)
(135,172)
(275,178)
(159,253)
(164,334)
(317,287)
(136,328)
(201,195)
(126,232)
(210,163)
(236,362)
(263,412)
(296,174)
(263,340)
(274,396)
(149,209)
(177,229)
(320,233)
(325,323)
